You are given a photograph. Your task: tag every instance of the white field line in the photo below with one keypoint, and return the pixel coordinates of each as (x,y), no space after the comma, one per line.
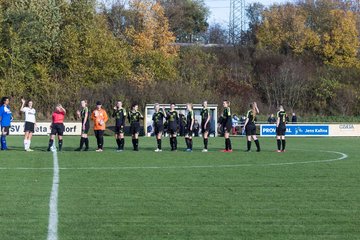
(53,205)
(342,156)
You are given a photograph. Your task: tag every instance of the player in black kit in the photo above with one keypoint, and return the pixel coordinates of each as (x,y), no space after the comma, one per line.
(134,118)
(205,125)
(250,127)
(226,123)
(281,129)
(158,123)
(173,124)
(120,115)
(85,125)
(190,119)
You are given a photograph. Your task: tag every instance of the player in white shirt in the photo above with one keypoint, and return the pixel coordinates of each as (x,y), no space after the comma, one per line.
(30,123)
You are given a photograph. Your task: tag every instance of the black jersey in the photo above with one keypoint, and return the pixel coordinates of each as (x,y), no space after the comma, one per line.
(189,118)
(83,113)
(158,118)
(282,116)
(120,116)
(173,118)
(204,115)
(251,117)
(226,117)
(135,117)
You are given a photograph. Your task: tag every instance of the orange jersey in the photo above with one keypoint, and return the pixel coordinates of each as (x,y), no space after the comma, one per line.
(99,117)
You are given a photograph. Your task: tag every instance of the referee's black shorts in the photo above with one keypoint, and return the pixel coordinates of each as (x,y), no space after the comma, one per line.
(57,128)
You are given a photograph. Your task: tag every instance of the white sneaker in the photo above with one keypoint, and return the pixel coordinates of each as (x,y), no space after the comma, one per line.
(158,150)
(204,150)
(29,150)
(99,150)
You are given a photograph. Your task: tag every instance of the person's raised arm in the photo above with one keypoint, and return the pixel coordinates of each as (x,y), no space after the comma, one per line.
(22,105)
(62,109)
(256,108)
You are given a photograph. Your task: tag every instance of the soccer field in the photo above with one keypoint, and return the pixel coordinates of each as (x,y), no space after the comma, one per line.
(312,191)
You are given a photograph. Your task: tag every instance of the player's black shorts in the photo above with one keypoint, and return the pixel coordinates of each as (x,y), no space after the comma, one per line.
(203,129)
(119,129)
(159,128)
(281,130)
(250,129)
(29,127)
(172,129)
(57,128)
(87,128)
(227,127)
(135,128)
(6,129)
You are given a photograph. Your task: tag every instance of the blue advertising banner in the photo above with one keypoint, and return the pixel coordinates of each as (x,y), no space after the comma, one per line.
(299,130)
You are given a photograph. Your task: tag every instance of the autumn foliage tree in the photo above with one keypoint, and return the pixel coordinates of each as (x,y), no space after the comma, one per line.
(292,28)
(151,41)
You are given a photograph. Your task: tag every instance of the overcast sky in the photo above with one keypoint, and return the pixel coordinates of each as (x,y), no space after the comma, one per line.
(220,9)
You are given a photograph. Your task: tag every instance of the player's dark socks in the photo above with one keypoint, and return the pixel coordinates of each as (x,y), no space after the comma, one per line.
(159,143)
(136,144)
(122,143)
(226,144)
(3,143)
(229,144)
(279,144)
(50,144)
(206,143)
(248,145)
(283,144)
(118,142)
(86,143)
(133,143)
(82,141)
(190,143)
(172,143)
(175,143)
(257,143)
(187,143)
(60,144)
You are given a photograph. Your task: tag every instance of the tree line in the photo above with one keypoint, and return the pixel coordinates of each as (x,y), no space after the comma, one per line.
(303,55)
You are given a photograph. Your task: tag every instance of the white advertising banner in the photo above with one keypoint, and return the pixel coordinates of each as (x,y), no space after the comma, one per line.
(313,130)
(344,130)
(43,128)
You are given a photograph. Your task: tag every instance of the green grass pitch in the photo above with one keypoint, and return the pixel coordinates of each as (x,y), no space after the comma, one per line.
(179,195)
